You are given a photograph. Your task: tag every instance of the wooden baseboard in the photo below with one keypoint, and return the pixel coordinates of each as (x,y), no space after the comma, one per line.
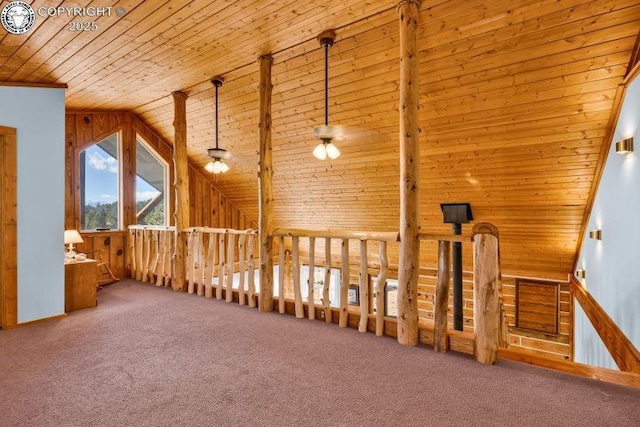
(46,319)
(609,375)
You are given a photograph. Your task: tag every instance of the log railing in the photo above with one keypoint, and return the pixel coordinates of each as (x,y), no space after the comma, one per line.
(214,255)
(150,254)
(364,240)
(490,329)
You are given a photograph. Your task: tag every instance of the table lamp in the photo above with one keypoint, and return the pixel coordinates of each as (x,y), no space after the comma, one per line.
(71,237)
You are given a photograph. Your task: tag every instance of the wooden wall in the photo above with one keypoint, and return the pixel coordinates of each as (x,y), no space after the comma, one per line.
(209,207)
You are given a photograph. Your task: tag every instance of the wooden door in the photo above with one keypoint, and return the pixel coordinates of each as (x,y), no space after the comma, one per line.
(8,229)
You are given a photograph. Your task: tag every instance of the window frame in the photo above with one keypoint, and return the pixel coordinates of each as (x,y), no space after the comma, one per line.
(167,176)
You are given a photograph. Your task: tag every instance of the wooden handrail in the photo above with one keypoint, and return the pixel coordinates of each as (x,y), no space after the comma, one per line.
(390,236)
(445,237)
(621,349)
(220,230)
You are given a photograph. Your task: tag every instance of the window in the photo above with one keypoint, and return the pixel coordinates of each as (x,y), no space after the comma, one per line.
(100,185)
(151,186)
(537,305)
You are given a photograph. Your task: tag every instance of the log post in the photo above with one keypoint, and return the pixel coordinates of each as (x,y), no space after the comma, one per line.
(486,278)
(312,268)
(382,281)
(440,324)
(408,332)
(364,288)
(296,276)
(181,185)
(265,181)
(241,267)
(327,281)
(344,285)
(281,268)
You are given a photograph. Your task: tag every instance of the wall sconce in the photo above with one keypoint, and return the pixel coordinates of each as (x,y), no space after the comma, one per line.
(581,274)
(624,146)
(595,234)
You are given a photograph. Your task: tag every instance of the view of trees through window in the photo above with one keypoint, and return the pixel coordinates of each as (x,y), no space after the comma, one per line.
(150,186)
(100,185)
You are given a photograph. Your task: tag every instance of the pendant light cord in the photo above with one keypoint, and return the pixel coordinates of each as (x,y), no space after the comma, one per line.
(216,116)
(326,84)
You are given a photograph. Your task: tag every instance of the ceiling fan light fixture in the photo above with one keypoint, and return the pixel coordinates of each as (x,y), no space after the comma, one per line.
(325,132)
(217,166)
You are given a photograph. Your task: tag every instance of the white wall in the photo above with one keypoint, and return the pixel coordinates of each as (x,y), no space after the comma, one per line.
(611,265)
(39,116)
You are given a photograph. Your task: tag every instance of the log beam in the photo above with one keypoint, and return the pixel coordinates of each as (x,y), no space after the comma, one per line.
(408,331)
(265,180)
(181,185)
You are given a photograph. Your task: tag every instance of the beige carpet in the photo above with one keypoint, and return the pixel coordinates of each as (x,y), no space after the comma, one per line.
(147,356)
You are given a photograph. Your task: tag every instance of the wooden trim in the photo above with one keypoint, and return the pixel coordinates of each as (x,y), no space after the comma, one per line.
(8,228)
(602,374)
(36,85)
(621,349)
(634,63)
(46,319)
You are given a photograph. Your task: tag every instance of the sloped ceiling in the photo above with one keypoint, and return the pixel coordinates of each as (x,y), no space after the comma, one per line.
(516,100)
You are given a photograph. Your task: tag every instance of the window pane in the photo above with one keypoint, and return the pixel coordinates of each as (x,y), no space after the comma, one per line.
(150,187)
(99,185)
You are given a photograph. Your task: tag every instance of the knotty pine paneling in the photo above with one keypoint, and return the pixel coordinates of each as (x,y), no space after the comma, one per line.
(86,128)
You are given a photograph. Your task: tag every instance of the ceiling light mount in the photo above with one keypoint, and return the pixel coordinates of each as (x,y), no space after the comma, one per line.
(326,133)
(218,154)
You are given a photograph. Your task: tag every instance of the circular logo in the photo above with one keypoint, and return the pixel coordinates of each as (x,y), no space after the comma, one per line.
(18,17)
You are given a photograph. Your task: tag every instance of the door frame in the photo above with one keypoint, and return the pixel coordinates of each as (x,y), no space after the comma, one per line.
(8,229)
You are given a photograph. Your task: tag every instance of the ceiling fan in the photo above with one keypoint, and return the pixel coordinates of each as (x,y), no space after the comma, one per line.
(327,133)
(218,154)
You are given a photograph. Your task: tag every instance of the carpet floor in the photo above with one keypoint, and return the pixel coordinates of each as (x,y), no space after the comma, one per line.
(147,356)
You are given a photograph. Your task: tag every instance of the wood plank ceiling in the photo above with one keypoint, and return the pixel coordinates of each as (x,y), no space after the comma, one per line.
(516,97)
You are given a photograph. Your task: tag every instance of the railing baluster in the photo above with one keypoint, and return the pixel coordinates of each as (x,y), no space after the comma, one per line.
(327,280)
(364,288)
(211,260)
(296,278)
(281,268)
(146,254)
(380,295)
(231,241)
(201,263)
(139,242)
(221,250)
(191,243)
(344,284)
(252,267)
(155,253)
(440,324)
(132,253)
(312,268)
(241,268)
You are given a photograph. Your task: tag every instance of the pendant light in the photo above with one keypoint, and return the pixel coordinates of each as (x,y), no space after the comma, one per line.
(326,133)
(218,154)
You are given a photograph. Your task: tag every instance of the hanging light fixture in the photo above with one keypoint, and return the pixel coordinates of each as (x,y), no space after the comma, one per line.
(326,133)
(218,154)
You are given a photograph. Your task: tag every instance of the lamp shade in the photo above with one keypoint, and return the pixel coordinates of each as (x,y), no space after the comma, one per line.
(72,236)
(217,166)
